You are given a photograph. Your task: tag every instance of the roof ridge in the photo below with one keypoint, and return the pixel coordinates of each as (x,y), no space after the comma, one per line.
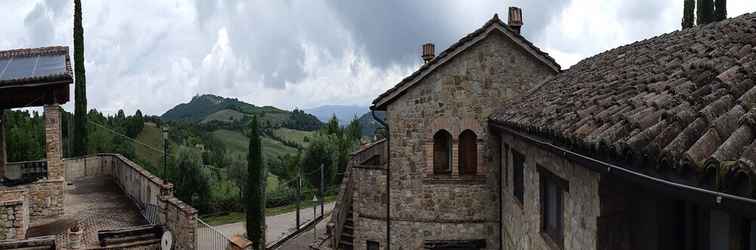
(26,52)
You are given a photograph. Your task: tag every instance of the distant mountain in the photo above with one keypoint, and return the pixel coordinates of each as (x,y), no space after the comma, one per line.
(368,124)
(204,109)
(344,113)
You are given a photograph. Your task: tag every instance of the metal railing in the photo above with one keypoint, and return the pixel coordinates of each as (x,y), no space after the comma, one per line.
(151,213)
(209,238)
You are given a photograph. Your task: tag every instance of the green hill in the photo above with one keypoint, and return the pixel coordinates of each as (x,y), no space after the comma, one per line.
(297,136)
(206,109)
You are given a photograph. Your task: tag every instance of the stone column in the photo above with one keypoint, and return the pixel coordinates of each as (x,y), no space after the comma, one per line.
(3,156)
(53,145)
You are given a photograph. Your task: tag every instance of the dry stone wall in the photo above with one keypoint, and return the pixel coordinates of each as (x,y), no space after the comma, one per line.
(14,214)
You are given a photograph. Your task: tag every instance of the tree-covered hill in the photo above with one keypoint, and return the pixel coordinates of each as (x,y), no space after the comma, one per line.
(212,110)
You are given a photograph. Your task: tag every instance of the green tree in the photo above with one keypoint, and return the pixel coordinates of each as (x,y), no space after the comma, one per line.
(237,172)
(320,152)
(255,189)
(688,14)
(720,10)
(332,127)
(80,109)
(191,183)
(704,12)
(354,129)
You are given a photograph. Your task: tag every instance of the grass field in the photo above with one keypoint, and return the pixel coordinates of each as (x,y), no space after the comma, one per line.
(226,115)
(294,135)
(150,135)
(238,144)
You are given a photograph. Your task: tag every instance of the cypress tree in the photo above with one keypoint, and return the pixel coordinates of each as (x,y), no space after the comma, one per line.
(80,109)
(720,10)
(704,12)
(688,20)
(255,189)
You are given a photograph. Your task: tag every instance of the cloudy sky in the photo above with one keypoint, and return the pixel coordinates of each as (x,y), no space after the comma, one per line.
(154,54)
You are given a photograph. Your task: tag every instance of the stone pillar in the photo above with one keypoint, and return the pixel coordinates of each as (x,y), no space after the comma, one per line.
(53,145)
(3,156)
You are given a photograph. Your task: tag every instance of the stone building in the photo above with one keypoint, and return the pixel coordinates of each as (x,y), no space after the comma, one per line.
(650,145)
(444,188)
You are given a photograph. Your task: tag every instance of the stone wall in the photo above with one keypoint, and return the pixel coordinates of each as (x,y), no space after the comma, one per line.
(457,96)
(53,144)
(14,214)
(521,222)
(46,198)
(181,220)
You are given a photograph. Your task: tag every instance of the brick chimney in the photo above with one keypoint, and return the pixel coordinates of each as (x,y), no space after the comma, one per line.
(429,52)
(515,19)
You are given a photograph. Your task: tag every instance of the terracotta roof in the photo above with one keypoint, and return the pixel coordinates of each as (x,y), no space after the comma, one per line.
(493,24)
(37,66)
(681,105)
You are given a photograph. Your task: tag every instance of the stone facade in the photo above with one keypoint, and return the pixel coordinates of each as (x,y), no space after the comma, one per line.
(46,198)
(521,221)
(457,96)
(53,145)
(14,215)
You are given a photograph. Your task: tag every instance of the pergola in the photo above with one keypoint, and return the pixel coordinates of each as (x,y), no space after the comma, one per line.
(36,77)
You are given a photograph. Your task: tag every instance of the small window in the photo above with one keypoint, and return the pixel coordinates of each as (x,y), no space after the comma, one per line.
(373,245)
(518,169)
(442,152)
(552,208)
(468,153)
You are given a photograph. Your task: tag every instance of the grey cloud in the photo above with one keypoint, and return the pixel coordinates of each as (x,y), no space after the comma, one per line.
(39,25)
(392,31)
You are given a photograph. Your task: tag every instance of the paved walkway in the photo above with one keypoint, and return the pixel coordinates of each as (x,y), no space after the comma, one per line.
(278,225)
(303,240)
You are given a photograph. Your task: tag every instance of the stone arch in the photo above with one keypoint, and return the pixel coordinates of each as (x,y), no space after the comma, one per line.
(442,152)
(468,153)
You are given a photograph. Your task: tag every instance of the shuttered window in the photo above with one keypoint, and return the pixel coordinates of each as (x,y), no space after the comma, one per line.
(468,156)
(442,153)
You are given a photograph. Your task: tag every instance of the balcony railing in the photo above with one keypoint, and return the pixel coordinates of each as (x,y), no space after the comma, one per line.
(24,172)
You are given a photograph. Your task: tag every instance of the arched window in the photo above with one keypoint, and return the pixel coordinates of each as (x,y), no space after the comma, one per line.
(468,153)
(442,152)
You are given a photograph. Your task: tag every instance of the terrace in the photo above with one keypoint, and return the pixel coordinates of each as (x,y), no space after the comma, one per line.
(95,202)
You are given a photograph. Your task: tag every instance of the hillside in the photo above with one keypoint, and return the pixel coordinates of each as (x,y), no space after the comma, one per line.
(150,135)
(206,109)
(344,113)
(237,144)
(368,124)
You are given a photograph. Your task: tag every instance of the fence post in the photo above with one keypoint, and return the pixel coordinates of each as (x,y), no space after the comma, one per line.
(299,195)
(322,189)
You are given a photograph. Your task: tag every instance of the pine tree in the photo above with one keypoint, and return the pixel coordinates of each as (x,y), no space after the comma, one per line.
(80,109)
(720,10)
(255,189)
(688,14)
(704,12)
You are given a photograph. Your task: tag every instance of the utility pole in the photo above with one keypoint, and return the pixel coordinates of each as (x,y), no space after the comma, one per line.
(322,187)
(165,152)
(299,195)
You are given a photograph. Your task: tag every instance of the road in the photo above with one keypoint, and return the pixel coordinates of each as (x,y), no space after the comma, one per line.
(278,225)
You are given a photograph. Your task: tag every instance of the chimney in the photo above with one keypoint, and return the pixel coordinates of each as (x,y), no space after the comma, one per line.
(515,19)
(429,51)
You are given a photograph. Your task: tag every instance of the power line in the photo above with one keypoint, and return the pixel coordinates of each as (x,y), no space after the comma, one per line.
(127,137)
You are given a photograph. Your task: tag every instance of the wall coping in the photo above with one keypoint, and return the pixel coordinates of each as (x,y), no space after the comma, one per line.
(146,174)
(185,208)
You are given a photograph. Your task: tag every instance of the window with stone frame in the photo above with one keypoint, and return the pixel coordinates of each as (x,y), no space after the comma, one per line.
(552,206)
(468,153)
(373,245)
(518,178)
(442,153)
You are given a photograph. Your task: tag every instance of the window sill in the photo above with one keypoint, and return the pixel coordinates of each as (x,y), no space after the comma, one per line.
(549,241)
(448,179)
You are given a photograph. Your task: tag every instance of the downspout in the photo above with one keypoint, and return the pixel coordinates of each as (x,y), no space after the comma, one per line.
(501,187)
(388,177)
